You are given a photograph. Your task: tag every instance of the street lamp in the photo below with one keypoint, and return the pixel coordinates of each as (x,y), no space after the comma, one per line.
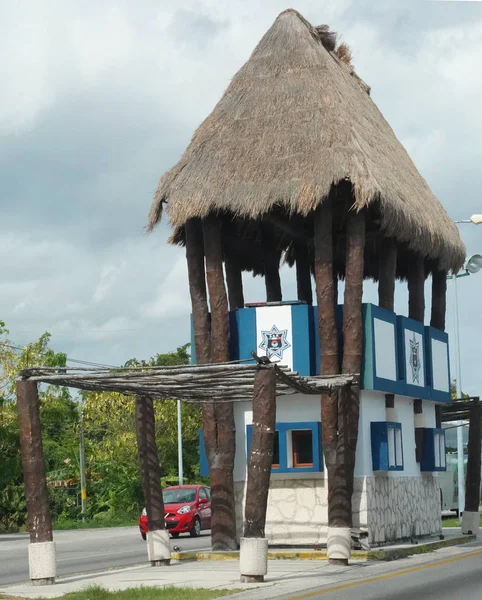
(475,219)
(472,265)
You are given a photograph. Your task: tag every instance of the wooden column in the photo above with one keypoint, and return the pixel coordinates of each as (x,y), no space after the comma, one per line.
(260,458)
(42,569)
(234,282)
(150,475)
(416,291)
(220,447)
(303,273)
(439,300)
(472,484)
(387,267)
(271,258)
(325,294)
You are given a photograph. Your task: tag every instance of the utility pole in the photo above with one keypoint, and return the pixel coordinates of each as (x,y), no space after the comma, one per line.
(83,489)
(179,444)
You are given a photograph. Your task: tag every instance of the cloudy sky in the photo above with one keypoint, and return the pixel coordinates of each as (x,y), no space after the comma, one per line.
(100,98)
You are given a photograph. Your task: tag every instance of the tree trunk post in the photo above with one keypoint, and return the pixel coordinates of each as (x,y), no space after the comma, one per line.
(158,546)
(416,289)
(325,293)
(234,281)
(220,444)
(387,268)
(339,531)
(271,258)
(41,550)
(303,274)
(254,546)
(439,300)
(470,516)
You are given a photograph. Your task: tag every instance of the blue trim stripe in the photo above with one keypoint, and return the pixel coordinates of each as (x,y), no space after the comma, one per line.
(203,461)
(427,464)
(408,389)
(300,335)
(380,449)
(246,333)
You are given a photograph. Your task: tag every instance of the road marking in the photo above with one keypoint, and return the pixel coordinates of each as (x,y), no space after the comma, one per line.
(350,584)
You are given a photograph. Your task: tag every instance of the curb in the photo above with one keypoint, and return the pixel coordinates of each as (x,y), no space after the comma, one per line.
(386,554)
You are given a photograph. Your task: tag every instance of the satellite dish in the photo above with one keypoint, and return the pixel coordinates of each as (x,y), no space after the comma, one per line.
(474,264)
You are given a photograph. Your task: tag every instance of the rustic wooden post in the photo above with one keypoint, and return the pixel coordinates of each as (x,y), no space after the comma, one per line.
(158,546)
(41,550)
(303,274)
(234,281)
(220,447)
(416,288)
(271,258)
(339,532)
(253,555)
(470,517)
(439,300)
(387,267)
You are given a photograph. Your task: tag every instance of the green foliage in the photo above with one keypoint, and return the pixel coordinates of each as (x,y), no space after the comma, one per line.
(114,490)
(149,593)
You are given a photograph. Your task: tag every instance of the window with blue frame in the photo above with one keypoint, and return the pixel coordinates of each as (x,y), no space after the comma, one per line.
(433,450)
(297,447)
(387,446)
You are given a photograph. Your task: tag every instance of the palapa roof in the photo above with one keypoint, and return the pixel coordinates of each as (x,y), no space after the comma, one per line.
(295,121)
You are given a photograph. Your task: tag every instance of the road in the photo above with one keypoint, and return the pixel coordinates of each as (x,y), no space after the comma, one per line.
(458,577)
(85,550)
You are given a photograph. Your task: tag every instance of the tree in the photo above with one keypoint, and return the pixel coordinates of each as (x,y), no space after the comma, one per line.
(453,391)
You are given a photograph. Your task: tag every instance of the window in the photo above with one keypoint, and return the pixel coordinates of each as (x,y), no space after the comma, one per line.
(387,446)
(297,447)
(202,493)
(302,447)
(433,449)
(208,493)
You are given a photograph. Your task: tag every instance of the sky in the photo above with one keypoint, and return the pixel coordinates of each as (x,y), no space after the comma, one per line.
(99,99)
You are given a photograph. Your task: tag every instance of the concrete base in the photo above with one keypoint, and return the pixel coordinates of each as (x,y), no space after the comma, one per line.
(41,562)
(470,522)
(158,548)
(253,559)
(339,544)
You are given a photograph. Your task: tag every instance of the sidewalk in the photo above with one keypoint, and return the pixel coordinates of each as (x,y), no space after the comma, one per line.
(287,576)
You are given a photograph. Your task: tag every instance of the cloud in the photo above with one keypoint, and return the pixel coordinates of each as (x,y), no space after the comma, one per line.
(99,99)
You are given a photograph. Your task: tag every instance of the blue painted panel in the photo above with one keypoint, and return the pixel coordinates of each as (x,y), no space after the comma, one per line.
(302,340)
(203,461)
(407,389)
(435,334)
(380,448)
(283,429)
(428,452)
(370,380)
(245,332)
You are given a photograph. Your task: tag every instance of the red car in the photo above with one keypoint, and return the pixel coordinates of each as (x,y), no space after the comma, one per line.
(187,509)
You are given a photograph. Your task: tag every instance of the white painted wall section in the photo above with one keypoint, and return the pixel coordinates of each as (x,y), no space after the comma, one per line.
(385,357)
(439,364)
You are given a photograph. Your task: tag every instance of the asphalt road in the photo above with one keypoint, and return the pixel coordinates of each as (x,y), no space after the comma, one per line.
(85,550)
(459,577)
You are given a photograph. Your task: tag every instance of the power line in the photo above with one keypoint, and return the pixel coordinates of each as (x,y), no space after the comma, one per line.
(72,360)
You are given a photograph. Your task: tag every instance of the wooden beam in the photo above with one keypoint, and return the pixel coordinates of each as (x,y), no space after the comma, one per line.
(271,259)
(349,405)
(150,468)
(416,288)
(234,282)
(303,274)
(387,267)
(439,300)
(33,467)
(261,453)
(472,483)
(219,436)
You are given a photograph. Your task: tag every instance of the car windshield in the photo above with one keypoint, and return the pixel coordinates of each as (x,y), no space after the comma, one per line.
(178,496)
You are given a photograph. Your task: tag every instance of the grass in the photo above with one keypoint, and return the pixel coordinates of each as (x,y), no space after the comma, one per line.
(145,593)
(454,522)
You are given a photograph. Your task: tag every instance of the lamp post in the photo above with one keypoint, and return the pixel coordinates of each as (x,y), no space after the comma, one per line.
(472,265)
(179,444)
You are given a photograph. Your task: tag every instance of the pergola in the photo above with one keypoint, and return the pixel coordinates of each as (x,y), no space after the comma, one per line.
(208,384)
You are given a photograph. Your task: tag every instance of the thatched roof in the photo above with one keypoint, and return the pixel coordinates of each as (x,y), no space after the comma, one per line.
(296,120)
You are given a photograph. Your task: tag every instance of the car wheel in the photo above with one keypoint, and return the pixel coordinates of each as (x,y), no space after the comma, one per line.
(144,536)
(196,528)
(175,534)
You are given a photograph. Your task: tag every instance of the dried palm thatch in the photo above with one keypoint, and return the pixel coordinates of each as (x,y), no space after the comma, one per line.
(295,121)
